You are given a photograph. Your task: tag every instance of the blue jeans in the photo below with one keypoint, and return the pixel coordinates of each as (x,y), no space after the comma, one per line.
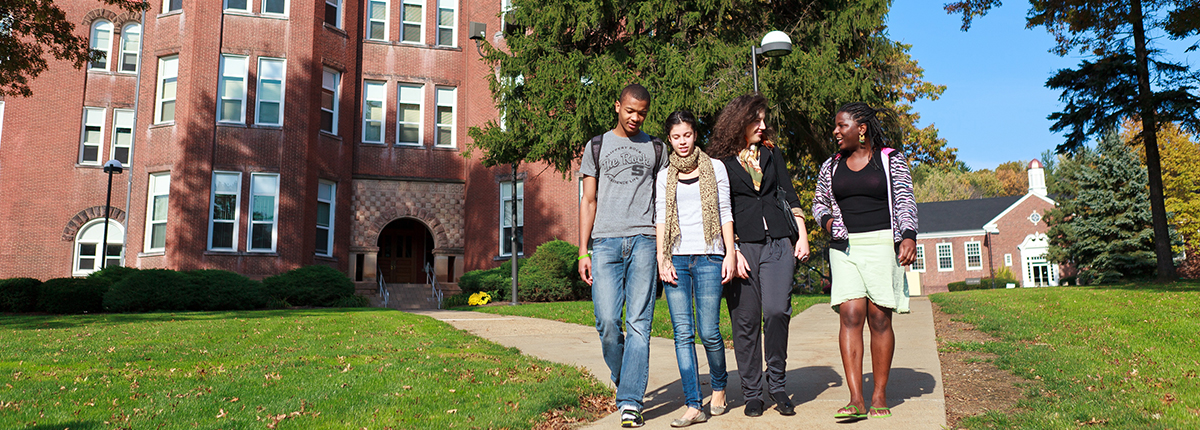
(624,276)
(699,280)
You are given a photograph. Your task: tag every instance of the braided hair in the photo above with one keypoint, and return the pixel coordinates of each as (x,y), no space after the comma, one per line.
(863,113)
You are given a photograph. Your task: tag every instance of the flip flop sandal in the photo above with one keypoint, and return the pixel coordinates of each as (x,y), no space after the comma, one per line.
(850,411)
(887,412)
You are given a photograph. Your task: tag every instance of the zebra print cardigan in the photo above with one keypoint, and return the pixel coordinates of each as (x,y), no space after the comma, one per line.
(901,204)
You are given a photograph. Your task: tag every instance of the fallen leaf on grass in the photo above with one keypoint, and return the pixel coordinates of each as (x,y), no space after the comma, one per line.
(452,411)
(1091,422)
(222,414)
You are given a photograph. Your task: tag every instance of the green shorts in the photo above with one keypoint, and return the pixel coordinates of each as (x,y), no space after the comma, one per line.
(869,268)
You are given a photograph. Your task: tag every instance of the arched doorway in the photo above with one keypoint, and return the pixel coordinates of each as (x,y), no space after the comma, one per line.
(405,245)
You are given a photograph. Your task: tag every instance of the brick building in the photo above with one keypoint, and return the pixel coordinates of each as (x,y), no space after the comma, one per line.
(974,238)
(264,135)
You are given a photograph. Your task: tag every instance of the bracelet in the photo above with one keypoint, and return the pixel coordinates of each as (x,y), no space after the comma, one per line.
(589,255)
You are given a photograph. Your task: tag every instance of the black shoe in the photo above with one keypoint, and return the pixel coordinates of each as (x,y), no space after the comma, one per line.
(783,404)
(754,408)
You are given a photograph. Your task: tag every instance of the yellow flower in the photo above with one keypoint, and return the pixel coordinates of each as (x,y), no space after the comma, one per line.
(480,298)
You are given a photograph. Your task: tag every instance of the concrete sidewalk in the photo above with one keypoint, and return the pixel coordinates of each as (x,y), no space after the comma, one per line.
(815,379)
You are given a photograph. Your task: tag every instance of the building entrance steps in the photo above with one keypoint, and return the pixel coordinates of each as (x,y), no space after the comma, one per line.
(815,378)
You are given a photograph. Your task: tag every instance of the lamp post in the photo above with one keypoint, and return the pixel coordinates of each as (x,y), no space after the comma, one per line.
(774,44)
(111,167)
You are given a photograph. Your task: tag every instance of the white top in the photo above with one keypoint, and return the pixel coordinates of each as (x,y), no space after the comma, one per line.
(691,221)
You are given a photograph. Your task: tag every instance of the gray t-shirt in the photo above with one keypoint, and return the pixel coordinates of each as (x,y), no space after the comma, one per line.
(625,182)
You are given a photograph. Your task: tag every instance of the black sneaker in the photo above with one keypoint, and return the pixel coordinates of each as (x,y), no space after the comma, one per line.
(631,418)
(783,404)
(754,408)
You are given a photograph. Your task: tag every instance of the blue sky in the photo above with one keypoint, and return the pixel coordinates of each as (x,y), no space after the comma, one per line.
(995,105)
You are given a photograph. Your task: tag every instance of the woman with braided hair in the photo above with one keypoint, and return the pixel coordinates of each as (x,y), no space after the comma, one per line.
(864,199)
(694,233)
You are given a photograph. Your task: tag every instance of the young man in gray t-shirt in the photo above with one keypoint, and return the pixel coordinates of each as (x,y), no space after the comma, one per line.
(617,219)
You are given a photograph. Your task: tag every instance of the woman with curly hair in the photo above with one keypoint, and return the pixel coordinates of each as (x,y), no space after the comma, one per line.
(770,235)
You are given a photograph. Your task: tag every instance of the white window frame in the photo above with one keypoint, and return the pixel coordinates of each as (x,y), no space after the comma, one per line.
(212,209)
(505,209)
(387,14)
(978,253)
(229,73)
(420,24)
(438,21)
(382,100)
(101,25)
(259,101)
(168,70)
(131,28)
(332,202)
(339,4)
(167,6)
(949,253)
(92,117)
(287,8)
(1008,260)
(159,185)
(274,222)
(415,95)
(117,127)
(919,263)
(445,97)
(335,88)
(225,6)
(115,237)
(1,120)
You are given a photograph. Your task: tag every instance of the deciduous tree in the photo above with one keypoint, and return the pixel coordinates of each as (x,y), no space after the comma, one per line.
(1180,152)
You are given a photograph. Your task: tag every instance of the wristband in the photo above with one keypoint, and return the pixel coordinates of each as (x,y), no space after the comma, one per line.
(589,255)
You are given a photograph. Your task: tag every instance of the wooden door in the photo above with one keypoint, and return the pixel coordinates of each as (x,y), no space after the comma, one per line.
(402,254)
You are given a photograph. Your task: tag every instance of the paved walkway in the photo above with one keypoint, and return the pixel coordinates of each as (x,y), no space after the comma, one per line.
(815,378)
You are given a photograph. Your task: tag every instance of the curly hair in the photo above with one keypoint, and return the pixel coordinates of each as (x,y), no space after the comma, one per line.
(729,133)
(863,113)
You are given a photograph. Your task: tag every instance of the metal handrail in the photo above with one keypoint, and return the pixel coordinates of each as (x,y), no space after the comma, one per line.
(384,294)
(431,279)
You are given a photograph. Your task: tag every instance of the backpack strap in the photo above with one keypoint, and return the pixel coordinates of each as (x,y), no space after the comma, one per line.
(658,154)
(597,141)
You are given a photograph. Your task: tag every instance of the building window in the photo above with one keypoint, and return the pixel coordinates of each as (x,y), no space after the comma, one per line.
(974,255)
(1,118)
(156,212)
(101,41)
(122,140)
(168,76)
(264,190)
(373,113)
(919,264)
(446,20)
(326,198)
(172,5)
(275,7)
(131,42)
(238,5)
(93,135)
(330,80)
(90,240)
(377,18)
(445,117)
(414,16)
(945,256)
(223,215)
(271,73)
(232,89)
(1008,260)
(506,224)
(409,121)
(333,13)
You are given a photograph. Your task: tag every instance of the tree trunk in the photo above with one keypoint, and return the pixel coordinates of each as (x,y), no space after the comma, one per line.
(1158,210)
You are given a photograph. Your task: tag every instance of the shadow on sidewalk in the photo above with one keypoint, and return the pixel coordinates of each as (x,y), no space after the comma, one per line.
(804,385)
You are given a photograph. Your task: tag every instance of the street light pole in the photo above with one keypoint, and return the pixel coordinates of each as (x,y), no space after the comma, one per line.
(512,223)
(774,44)
(111,167)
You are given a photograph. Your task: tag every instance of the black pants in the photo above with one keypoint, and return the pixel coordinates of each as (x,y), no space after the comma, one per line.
(762,304)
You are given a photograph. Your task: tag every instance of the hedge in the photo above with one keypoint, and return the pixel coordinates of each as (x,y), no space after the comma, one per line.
(71,296)
(19,294)
(154,290)
(984,284)
(222,290)
(310,286)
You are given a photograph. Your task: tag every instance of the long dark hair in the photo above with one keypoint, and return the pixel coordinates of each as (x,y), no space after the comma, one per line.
(729,134)
(865,114)
(679,117)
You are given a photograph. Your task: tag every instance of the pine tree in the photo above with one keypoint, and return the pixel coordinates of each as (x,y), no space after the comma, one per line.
(1102,223)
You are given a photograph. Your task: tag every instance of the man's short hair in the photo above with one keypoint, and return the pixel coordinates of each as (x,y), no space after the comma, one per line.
(635,91)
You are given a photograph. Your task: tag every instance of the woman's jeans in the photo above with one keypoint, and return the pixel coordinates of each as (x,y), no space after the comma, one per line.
(699,282)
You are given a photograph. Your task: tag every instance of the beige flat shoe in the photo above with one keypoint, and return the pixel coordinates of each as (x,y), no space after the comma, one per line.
(684,423)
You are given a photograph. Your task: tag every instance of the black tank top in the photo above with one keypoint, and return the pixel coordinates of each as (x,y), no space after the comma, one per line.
(863,196)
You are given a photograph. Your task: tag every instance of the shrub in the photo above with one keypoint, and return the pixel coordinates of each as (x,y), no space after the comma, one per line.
(552,274)
(455,301)
(112,274)
(71,296)
(984,284)
(310,286)
(221,290)
(351,301)
(537,286)
(154,290)
(19,294)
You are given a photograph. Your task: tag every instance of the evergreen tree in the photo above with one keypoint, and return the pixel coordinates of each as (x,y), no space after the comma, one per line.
(1102,222)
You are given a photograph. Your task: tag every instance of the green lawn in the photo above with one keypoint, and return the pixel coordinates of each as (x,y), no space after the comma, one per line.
(582,313)
(288,369)
(1113,357)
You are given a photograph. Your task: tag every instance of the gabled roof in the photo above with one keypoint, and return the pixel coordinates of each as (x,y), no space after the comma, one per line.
(959,215)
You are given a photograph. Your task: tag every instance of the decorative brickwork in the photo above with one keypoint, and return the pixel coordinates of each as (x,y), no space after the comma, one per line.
(439,205)
(81,218)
